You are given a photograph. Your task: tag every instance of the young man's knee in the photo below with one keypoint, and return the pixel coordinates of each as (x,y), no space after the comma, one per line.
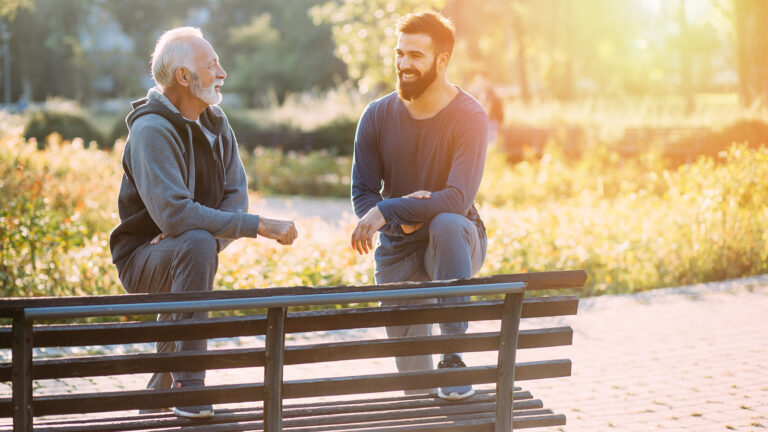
(448,224)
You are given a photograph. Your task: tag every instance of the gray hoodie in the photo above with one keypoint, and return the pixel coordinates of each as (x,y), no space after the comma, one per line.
(175,181)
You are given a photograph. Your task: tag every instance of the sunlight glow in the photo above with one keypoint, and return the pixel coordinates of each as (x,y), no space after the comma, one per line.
(652,5)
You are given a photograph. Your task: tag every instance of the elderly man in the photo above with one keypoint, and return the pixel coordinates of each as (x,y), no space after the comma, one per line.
(183,195)
(418,162)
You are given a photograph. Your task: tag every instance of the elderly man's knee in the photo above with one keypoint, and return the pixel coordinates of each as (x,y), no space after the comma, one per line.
(448,224)
(199,246)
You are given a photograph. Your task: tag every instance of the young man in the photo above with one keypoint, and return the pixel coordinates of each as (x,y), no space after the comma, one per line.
(425,144)
(184,194)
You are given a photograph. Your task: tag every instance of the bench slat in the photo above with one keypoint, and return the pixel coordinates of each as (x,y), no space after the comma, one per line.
(290,411)
(403,315)
(566,279)
(133,400)
(107,401)
(121,333)
(78,367)
(420,379)
(143,332)
(431,412)
(461,421)
(520,394)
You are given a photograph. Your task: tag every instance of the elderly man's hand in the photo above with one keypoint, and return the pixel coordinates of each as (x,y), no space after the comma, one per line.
(284,232)
(362,236)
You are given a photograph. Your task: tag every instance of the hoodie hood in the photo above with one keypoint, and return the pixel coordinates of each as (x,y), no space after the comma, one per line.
(212,118)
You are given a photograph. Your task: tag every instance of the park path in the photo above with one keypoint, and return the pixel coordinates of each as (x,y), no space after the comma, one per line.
(692,358)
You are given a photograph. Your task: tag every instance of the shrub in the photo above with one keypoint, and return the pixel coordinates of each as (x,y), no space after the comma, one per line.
(53,228)
(318,173)
(118,131)
(43,123)
(338,136)
(632,225)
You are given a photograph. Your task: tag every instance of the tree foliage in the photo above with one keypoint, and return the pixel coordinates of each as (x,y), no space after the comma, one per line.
(364,32)
(89,49)
(8,8)
(273,45)
(564,49)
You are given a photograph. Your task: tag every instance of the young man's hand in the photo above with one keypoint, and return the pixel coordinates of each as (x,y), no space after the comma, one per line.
(420,194)
(362,236)
(284,232)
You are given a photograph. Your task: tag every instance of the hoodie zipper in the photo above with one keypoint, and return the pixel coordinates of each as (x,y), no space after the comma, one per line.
(221,158)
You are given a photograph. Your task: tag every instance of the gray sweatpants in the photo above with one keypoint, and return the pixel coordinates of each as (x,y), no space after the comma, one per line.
(175,264)
(455,251)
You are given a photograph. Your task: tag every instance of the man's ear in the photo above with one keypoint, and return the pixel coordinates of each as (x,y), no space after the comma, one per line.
(182,76)
(442,59)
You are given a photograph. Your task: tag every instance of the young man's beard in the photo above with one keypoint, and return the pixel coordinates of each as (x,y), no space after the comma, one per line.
(208,94)
(414,89)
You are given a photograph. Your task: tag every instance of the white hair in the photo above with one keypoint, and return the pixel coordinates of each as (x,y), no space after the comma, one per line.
(173,51)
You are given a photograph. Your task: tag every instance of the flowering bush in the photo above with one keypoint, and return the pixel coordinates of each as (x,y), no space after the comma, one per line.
(631,224)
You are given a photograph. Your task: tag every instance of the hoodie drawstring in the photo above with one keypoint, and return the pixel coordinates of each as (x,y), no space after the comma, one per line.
(221,159)
(191,160)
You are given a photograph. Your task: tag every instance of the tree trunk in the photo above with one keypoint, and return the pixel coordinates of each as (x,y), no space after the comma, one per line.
(522,76)
(752,46)
(685,62)
(741,10)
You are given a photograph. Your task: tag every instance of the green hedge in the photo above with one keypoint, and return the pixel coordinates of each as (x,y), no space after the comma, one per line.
(41,124)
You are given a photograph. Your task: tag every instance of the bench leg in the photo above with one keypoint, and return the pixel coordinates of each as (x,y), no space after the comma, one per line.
(274,351)
(510,326)
(22,374)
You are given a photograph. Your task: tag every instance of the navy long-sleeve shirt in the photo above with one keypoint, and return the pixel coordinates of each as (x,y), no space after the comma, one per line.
(396,155)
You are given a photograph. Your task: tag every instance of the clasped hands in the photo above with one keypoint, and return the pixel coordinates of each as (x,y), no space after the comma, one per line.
(362,236)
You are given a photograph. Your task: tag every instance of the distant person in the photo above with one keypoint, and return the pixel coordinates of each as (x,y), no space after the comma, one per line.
(418,161)
(493,106)
(183,195)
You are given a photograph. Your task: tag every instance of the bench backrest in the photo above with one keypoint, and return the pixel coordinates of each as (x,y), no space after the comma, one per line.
(275,325)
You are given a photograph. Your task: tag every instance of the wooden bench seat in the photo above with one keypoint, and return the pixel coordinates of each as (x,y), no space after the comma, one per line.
(269,402)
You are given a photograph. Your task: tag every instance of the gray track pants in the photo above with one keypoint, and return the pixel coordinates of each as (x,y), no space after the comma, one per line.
(455,251)
(175,264)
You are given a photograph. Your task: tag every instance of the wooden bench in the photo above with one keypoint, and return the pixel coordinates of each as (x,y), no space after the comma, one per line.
(336,402)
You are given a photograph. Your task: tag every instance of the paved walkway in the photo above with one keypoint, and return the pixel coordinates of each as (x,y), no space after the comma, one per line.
(681,359)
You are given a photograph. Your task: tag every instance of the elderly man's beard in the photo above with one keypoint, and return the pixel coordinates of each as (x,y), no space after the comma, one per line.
(209,95)
(414,89)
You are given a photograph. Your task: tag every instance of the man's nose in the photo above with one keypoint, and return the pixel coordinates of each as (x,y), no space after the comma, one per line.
(221,73)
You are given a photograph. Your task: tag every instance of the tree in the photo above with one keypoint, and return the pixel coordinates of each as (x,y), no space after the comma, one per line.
(273,45)
(8,8)
(752,50)
(46,50)
(364,32)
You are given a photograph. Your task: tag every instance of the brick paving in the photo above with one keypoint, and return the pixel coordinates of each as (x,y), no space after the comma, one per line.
(690,358)
(680,359)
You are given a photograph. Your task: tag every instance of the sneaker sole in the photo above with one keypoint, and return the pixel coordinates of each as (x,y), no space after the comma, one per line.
(201,414)
(454,396)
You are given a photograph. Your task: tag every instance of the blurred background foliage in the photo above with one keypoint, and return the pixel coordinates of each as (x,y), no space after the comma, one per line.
(599,98)
(89,50)
(633,225)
